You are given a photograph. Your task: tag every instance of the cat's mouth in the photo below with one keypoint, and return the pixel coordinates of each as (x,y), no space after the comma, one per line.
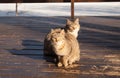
(58,45)
(61,47)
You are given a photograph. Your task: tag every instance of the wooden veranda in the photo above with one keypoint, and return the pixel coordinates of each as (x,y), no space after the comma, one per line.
(21,48)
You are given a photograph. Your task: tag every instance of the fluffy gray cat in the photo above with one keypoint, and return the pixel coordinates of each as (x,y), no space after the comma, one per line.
(65,46)
(72,27)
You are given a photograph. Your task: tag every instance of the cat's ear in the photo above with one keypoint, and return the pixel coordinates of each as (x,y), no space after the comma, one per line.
(62,32)
(76,20)
(68,22)
(52,30)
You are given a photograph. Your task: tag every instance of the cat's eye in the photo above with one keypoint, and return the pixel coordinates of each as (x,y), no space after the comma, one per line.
(57,39)
(54,39)
(73,27)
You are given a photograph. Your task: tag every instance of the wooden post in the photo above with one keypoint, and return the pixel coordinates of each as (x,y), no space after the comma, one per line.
(72,9)
(16,11)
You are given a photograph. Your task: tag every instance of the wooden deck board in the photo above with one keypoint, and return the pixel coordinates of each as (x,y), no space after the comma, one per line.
(21,48)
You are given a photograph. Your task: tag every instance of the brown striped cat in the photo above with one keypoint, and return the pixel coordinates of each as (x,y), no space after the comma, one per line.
(48,50)
(65,46)
(72,27)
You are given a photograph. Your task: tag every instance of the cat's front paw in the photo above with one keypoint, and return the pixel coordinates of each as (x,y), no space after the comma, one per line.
(66,65)
(59,64)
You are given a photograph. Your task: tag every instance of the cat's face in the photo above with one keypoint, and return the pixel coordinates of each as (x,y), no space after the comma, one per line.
(57,38)
(73,25)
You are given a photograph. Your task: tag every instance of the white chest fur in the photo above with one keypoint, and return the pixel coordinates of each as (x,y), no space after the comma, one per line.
(75,32)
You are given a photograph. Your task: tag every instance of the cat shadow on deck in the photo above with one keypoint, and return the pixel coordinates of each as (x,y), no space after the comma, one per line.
(32,49)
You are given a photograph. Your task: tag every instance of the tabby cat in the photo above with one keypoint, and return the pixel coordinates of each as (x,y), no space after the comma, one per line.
(48,50)
(65,46)
(71,27)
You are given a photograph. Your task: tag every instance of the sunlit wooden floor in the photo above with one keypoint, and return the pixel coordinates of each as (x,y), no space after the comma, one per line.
(21,48)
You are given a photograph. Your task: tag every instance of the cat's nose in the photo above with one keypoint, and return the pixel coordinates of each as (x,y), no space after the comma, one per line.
(53,39)
(56,39)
